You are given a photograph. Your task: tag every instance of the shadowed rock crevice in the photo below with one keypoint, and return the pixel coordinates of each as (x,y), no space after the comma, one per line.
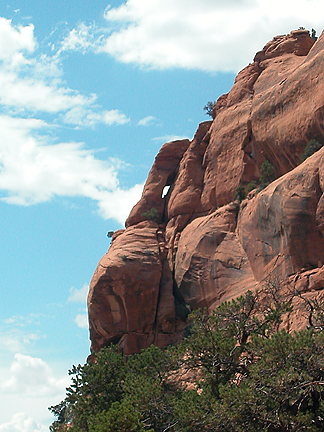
(195,247)
(163,170)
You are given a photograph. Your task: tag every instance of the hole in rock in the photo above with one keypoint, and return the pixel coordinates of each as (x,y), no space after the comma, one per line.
(165,191)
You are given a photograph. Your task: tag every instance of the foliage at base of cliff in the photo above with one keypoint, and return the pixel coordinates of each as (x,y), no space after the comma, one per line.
(236,371)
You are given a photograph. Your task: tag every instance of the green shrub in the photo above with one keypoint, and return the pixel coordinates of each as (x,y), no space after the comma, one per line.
(234,372)
(95,387)
(284,389)
(240,194)
(251,186)
(121,417)
(268,174)
(311,147)
(151,214)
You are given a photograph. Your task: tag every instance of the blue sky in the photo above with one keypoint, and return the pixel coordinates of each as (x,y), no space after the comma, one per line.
(89,91)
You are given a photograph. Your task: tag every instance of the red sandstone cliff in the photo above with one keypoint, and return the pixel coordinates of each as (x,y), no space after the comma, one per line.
(196,247)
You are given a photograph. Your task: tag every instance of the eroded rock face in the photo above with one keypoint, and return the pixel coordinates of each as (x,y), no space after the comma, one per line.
(211,264)
(280,229)
(127,293)
(134,259)
(194,247)
(161,175)
(267,115)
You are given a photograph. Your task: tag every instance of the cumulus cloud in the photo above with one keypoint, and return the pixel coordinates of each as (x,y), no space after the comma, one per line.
(34,82)
(31,82)
(207,35)
(114,117)
(34,170)
(32,94)
(80,115)
(13,40)
(34,166)
(117,204)
(31,376)
(21,422)
(14,341)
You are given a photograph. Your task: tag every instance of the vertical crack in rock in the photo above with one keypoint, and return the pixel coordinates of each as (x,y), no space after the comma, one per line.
(161,244)
(163,170)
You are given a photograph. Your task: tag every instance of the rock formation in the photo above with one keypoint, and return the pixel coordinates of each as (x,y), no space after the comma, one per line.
(196,246)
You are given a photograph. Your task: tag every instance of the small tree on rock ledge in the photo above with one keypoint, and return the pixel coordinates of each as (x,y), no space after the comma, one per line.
(208,108)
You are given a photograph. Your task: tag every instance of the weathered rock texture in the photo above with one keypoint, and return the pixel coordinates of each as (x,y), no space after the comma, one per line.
(195,247)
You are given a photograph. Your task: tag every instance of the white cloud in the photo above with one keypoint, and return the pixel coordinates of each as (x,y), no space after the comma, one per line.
(33,94)
(29,385)
(114,117)
(117,204)
(146,121)
(22,321)
(78,39)
(79,295)
(82,320)
(82,116)
(15,39)
(33,170)
(17,340)
(34,82)
(31,376)
(207,35)
(12,342)
(21,422)
(34,167)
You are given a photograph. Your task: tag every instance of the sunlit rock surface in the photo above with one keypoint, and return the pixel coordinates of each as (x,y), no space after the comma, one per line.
(194,247)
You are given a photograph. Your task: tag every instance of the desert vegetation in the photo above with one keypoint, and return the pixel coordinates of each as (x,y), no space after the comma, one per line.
(311,147)
(236,370)
(267,175)
(151,214)
(208,108)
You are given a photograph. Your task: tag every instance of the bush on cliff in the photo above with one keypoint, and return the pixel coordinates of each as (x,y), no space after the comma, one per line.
(268,174)
(311,147)
(235,371)
(240,193)
(208,108)
(251,186)
(151,214)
